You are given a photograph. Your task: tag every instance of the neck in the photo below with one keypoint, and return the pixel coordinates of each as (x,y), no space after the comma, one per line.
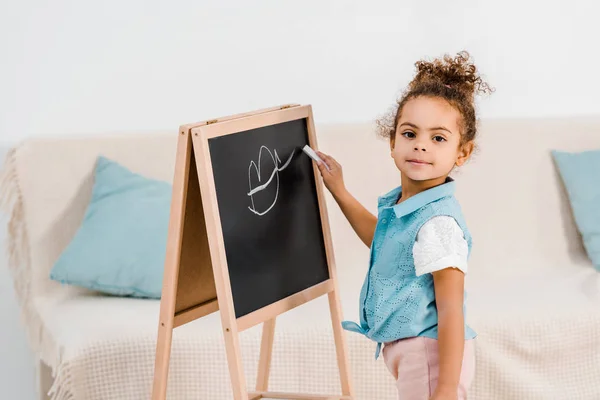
(411,187)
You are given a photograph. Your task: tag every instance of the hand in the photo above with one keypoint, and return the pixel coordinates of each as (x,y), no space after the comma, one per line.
(331,171)
(445,393)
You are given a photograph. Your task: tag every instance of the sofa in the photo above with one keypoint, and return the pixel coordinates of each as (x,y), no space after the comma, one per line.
(533,294)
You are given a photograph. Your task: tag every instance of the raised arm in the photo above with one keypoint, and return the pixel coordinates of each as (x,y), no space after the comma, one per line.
(361,220)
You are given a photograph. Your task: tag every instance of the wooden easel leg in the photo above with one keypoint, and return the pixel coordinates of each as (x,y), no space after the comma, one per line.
(220,272)
(161,364)
(266,352)
(234,361)
(341,346)
(171,270)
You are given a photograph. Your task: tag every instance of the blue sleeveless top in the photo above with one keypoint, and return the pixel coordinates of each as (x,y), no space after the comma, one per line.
(394,302)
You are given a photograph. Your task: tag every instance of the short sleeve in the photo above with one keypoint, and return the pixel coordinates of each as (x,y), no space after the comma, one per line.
(440,244)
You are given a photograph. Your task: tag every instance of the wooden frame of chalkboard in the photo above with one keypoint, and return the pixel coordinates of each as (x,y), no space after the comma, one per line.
(199,279)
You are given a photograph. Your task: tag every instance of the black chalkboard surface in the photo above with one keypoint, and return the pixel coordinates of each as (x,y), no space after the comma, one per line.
(268,206)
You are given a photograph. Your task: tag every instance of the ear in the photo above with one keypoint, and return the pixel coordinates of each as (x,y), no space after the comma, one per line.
(464,153)
(392,141)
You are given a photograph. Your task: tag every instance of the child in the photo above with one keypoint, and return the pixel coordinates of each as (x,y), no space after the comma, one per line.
(412,300)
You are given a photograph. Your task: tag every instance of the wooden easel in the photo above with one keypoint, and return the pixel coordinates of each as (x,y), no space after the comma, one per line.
(196,281)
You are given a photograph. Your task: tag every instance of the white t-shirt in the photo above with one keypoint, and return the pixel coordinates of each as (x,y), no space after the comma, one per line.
(440,244)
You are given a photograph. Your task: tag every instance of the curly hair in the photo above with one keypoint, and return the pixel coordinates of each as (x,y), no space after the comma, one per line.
(455,80)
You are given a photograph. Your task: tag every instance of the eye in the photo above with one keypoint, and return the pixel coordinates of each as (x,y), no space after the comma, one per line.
(409,134)
(439,139)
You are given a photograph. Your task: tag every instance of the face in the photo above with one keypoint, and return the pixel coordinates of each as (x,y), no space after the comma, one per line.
(427,144)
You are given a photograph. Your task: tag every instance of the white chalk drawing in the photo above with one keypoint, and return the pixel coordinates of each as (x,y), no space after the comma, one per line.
(277,167)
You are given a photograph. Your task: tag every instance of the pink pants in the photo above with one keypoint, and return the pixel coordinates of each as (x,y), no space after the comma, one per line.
(414,363)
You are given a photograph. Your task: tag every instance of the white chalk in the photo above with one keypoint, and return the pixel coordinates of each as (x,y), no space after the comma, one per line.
(311,153)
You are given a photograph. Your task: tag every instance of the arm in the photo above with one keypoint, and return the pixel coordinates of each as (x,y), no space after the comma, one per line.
(442,250)
(361,220)
(449,290)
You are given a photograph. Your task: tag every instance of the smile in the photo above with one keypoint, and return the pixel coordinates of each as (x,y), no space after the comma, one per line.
(418,162)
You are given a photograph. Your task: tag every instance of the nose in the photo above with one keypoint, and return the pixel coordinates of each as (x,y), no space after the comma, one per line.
(420,143)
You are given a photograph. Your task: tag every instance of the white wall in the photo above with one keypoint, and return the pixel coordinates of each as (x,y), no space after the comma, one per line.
(84,67)
(81,66)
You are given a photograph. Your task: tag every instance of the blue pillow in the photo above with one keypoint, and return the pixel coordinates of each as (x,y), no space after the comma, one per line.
(119,249)
(580,173)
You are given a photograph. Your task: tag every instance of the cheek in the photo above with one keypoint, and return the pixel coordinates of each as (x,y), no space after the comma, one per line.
(453,147)
(397,150)
(399,143)
(448,155)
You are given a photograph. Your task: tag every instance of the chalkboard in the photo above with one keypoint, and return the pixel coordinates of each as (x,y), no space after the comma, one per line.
(269,212)
(248,237)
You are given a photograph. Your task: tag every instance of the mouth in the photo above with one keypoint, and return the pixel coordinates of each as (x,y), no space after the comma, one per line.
(418,162)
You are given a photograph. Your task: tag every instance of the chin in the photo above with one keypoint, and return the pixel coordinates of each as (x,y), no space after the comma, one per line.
(420,176)
(416,176)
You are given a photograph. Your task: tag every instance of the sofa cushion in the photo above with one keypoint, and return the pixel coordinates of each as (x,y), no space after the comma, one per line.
(120,246)
(538,335)
(580,175)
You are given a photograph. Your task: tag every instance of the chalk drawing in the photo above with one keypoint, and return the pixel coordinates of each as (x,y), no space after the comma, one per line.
(277,167)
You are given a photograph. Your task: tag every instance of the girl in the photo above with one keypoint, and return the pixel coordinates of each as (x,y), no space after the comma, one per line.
(412,300)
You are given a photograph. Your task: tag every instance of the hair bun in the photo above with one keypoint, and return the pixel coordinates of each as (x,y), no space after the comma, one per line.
(456,73)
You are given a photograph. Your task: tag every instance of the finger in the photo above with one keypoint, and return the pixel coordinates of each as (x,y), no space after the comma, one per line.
(322,167)
(336,164)
(328,161)
(332,163)
(324,156)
